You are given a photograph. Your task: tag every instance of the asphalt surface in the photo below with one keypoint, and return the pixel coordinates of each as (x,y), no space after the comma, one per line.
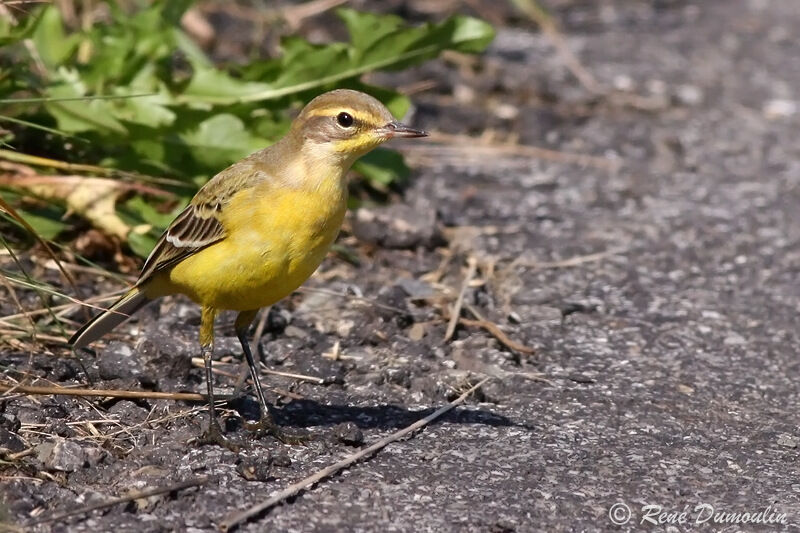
(662,300)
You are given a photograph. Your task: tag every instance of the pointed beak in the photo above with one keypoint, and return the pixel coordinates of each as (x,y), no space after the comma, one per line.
(396,129)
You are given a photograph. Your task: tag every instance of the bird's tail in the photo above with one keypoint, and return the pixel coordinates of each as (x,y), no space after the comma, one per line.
(130,302)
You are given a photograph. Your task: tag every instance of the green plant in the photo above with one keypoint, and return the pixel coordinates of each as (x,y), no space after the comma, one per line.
(134,100)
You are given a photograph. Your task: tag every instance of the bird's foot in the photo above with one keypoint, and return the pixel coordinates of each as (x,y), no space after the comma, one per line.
(266,426)
(213,435)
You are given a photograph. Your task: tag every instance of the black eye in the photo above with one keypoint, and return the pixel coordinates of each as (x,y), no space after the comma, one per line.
(345,120)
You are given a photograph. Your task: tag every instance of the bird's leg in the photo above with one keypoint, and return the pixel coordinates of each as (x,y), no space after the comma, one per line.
(266,424)
(213,435)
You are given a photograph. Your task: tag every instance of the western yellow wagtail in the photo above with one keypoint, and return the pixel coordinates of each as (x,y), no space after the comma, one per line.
(259,229)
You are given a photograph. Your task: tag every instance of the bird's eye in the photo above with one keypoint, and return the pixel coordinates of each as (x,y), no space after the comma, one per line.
(345,120)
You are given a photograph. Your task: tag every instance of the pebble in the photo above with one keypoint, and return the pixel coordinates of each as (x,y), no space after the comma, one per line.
(281,458)
(416,289)
(295,332)
(255,468)
(779,108)
(30,415)
(278,319)
(128,411)
(10,441)
(10,422)
(417,331)
(117,361)
(67,455)
(348,433)
(689,95)
(397,226)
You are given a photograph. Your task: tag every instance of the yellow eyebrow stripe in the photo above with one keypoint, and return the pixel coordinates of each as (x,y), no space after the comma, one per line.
(366,118)
(329,111)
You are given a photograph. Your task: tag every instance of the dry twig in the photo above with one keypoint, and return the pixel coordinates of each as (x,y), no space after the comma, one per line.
(456,312)
(104,393)
(237,518)
(198,362)
(566,263)
(353,297)
(495,330)
(136,495)
(295,15)
(23,311)
(476,147)
(551,30)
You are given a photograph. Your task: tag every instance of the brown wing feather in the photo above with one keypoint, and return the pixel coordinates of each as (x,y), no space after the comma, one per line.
(189,233)
(198,225)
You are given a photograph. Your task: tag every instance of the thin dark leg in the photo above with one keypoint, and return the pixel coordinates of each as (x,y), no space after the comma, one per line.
(266,423)
(213,435)
(266,417)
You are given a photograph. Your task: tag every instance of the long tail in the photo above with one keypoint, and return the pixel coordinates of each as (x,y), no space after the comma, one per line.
(130,302)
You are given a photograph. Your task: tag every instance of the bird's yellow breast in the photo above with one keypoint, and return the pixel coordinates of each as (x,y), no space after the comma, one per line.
(276,237)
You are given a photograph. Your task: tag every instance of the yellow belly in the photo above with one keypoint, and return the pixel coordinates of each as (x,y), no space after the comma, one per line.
(275,241)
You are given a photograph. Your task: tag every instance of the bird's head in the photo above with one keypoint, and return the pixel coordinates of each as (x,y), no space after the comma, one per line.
(346,124)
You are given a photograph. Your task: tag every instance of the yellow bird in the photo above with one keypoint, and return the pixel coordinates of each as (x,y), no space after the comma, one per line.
(259,229)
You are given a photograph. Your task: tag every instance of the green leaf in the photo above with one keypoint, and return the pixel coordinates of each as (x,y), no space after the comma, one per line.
(173,10)
(46,222)
(383,167)
(196,117)
(469,35)
(397,103)
(366,28)
(379,43)
(33,125)
(141,243)
(82,115)
(147,213)
(221,140)
(12,32)
(52,45)
(210,85)
(132,42)
(145,110)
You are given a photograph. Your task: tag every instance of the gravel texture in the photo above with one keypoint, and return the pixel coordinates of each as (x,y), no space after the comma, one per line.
(662,300)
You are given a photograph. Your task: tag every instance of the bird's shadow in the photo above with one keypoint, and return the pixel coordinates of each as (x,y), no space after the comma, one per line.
(309,413)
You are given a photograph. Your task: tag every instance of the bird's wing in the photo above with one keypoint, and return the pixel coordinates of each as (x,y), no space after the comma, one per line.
(196,227)
(199,226)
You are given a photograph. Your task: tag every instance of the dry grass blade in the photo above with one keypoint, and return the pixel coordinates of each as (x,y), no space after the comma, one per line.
(550,29)
(23,311)
(30,283)
(102,393)
(198,362)
(94,199)
(353,297)
(42,288)
(291,375)
(131,497)
(61,310)
(38,161)
(567,263)
(495,330)
(237,518)
(456,312)
(476,148)
(295,15)
(10,527)
(5,206)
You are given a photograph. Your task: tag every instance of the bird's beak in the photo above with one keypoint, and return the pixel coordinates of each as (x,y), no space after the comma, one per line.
(396,129)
